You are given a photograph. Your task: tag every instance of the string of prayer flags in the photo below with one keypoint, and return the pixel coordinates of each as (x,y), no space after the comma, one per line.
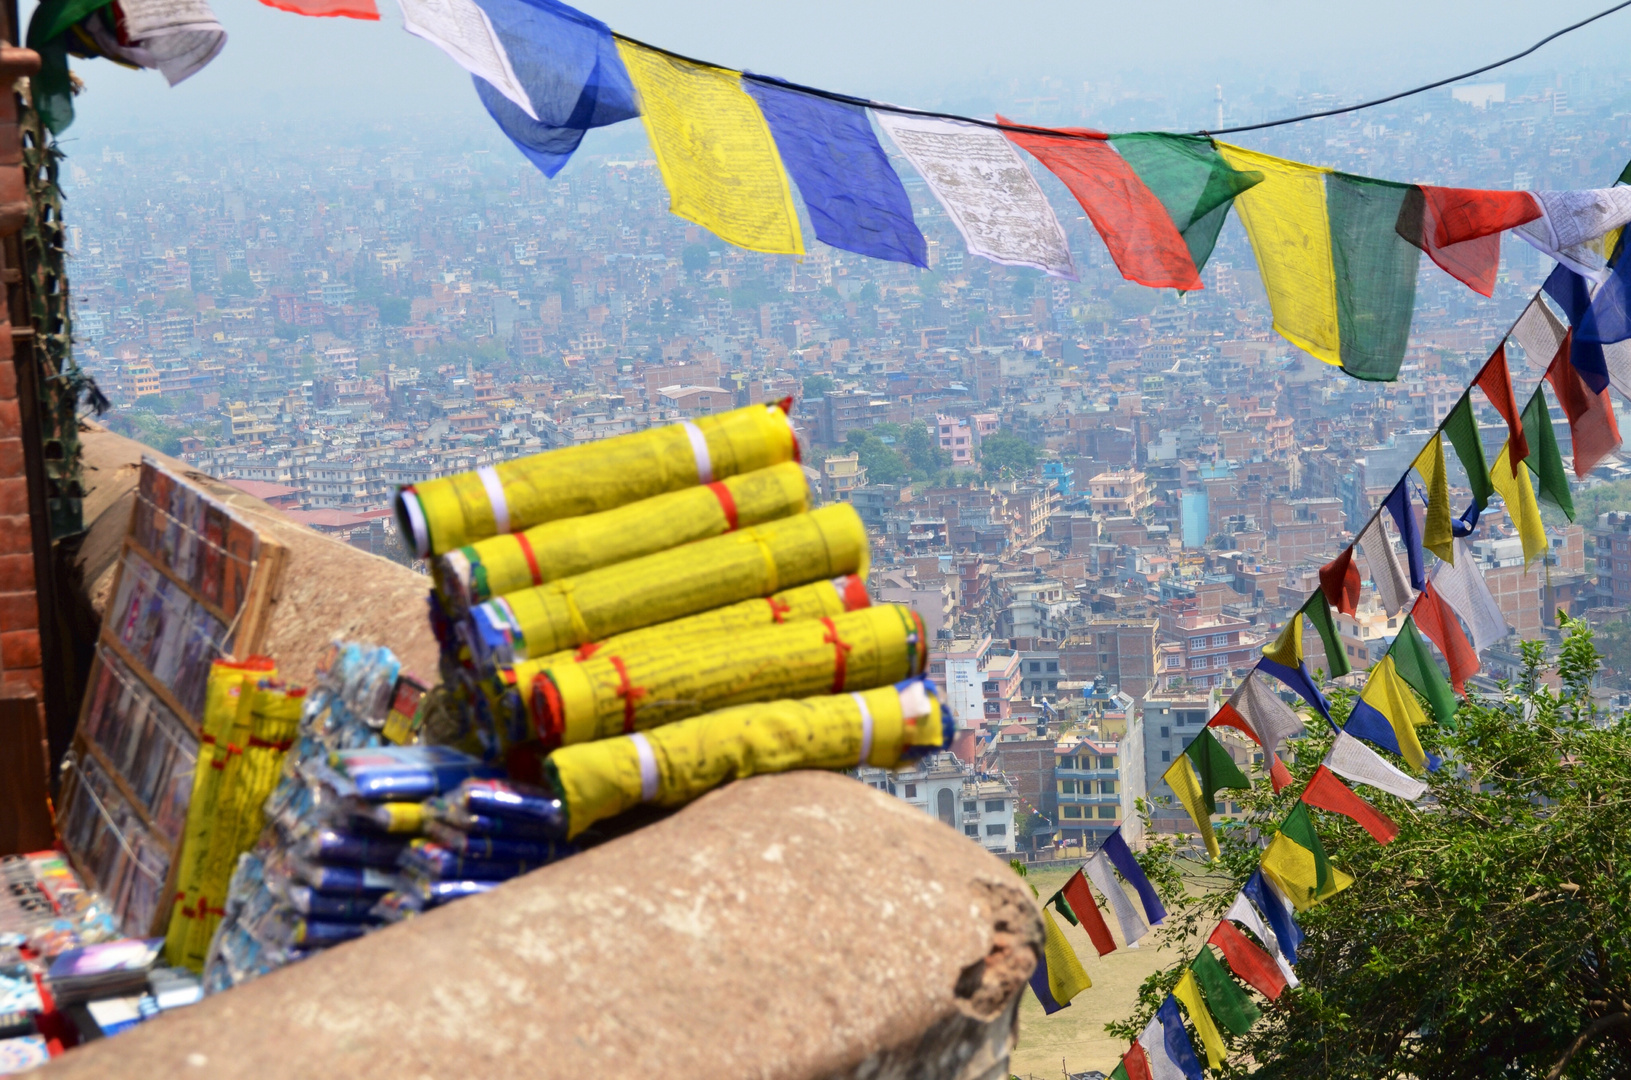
(1436,534)
(1255,967)
(568,69)
(1386,576)
(1100,872)
(1167,1047)
(1415,665)
(1495,380)
(1121,857)
(1460,229)
(1461,427)
(1296,862)
(1326,792)
(1353,760)
(990,195)
(1571,220)
(715,151)
(1059,975)
(1188,992)
(1518,493)
(1246,914)
(1229,1005)
(1461,585)
(1195,777)
(1550,475)
(1398,507)
(855,198)
(1593,429)
(1387,715)
(1083,910)
(1339,580)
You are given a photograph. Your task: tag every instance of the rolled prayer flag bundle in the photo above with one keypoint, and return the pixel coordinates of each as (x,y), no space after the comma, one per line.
(618,691)
(671,584)
(452,511)
(671,765)
(502,564)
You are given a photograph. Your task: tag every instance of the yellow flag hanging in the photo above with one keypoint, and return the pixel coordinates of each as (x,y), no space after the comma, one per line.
(1287,649)
(1519,494)
(1388,693)
(1436,535)
(1188,991)
(1286,220)
(1066,976)
(715,151)
(1186,785)
(1294,870)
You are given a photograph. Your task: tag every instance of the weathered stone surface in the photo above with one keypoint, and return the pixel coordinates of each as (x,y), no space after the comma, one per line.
(794,926)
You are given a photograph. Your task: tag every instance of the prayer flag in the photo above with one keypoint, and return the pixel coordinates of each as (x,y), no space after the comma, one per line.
(1387,715)
(1327,792)
(1243,912)
(1188,991)
(1573,294)
(1339,580)
(1284,660)
(567,66)
(1571,220)
(1229,1005)
(1287,647)
(1247,960)
(1121,856)
(1592,427)
(1319,614)
(1414,663)
(1461,426)
(1203,768)
(1608,319)
(1518,492)
(1135,227)
(1039,983)
(1436,534)
(1540,333)
(1295,861)
(1167,1047)
(1495,380)
(1433,618)
(1386,576)
(1375,274)
(1276,908)
(1460,229)
(1135,1065)
(1404,519)
(1546,459)
(986,189)
(351,9)
(1461,585)
(1259,704)
(715,151)
(1191,180)
(855,199)
(1230,717)
(1085,910)
(1099,872)
(463,30)
(1353,759)
(1066,977)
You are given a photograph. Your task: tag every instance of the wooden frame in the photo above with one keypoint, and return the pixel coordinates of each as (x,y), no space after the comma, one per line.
(246,634)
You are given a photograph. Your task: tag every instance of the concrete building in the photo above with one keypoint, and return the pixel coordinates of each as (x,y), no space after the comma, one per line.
(1087,779)
(956,670)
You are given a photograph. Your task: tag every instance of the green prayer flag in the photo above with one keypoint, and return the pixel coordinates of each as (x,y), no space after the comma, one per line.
(1299,828)
(1375,272)
(1318,610)
(1214,768)
(1416,666)
(1229,1004)
(1544,456)
(1191,179)
(1119,1072)
(1625,174)
(1461,428)
(1063,908)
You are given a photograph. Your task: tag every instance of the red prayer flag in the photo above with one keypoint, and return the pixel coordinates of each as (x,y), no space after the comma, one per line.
(1080,899)
(1228,716)
(1592,427)
(1136,1064)
(1339,579)
(1460,229)
(1434,618)
(1495,380)
(1327,792)
(1137,229)
(1255,967)
(1279,775)
(351,9)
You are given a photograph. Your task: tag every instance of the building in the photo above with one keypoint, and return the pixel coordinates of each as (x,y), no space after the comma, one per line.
(1167,722)
(956,439)
(1087,780)
(841,474)
(1002,678)
(1120,651)
(981,807)
(1211,647)
(1120,493)
(956,670)
(696,400)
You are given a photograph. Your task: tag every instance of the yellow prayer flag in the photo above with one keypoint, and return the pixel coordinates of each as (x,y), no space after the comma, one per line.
(1436,535)
(715,151)
(1293,869)
(1186,785)
(1287,649)
(1066,976)
(1286,220)
(1518,492)
(1388,693)
(1188,991)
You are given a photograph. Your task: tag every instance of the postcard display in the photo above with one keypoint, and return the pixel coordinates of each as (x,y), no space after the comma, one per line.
(194,583)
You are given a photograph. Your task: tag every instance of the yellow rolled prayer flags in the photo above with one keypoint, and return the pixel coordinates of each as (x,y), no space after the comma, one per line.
(1066,976)
(1518,492)
(1295,859)
(671,765)
(1436,535)
(1290,232)
(716,153)
(1188,991)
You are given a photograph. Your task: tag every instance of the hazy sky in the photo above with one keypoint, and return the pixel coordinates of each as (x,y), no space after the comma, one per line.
(909,51)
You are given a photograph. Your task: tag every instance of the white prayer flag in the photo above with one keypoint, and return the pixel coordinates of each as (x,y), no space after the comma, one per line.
(1540,333)
(1259,704)
(1353,760)
(462,30)
(1571,220)
(1101,872)
(985,187)
(1386,575)
(1462,586)
(176,37)
(1154,1041)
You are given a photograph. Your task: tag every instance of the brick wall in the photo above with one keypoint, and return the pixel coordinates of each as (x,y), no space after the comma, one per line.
(19,606)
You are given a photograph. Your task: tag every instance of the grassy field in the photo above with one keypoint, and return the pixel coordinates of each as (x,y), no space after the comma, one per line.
(1076,1035)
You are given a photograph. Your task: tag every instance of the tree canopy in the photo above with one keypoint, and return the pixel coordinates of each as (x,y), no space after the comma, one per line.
(1491,938)
(1005,455)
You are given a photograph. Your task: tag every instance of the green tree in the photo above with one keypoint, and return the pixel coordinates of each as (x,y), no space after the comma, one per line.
(238,283)
(695,258)
(817,385)
(869,293)
(1005,455)
(922,448)
(883,463)
(394,310)
(1489,939)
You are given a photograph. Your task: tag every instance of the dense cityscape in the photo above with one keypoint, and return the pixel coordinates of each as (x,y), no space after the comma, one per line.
(1103,499)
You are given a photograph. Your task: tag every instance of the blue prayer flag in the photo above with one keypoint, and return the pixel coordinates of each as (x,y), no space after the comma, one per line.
(1039,984)
(855,199)
(1180,1051)
(1367,722)
(1404,518)
(1121,857)
(1274,910)
(1573,294)
(1299,679)
(568,64)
